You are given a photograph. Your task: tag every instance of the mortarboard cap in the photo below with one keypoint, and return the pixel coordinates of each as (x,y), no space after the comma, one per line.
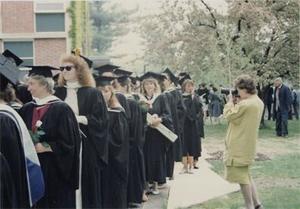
(105,68)
(43,70)
(182,74)
(9,72)
(154,75)
(181,80)
(9,54)
(123,79)
(103,80)
(172,77)
(121,72)
(88,61)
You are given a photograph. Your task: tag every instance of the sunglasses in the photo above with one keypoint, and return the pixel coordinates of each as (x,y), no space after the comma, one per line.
(68,67)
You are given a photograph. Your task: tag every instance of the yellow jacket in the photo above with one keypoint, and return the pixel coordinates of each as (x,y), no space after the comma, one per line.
(244,120)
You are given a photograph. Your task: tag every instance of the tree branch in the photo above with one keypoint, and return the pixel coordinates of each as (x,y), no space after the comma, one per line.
(268,48)
(212,16)
(200,24)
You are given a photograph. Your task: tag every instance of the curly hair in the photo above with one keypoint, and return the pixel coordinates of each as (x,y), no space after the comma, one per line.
(84,74)
(245,82)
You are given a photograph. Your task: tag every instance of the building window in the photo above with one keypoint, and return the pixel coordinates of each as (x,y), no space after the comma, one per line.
(50,22)
(23,49)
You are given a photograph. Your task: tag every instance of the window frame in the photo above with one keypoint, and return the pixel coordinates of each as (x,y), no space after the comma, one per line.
(21,40)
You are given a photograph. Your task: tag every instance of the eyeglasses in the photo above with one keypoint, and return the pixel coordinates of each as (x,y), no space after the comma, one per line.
(68,67)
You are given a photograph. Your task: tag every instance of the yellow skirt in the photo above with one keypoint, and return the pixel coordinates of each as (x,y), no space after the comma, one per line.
(240,175)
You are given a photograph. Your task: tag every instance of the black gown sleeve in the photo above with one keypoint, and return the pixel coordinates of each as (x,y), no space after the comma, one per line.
(119,144)
(97,117)
(199,114)
(165,112)
(66,146)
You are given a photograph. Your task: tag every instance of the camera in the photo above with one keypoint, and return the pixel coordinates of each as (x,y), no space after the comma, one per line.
(226,91)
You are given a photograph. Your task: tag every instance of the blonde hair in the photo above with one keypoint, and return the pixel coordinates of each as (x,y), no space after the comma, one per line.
(84,74)
(157,89)
(186,82)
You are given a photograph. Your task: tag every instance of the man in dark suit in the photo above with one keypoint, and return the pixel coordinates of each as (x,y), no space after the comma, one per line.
(282,104)
(268,99)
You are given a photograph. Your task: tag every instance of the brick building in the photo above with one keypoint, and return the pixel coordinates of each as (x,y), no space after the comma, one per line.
(36,31)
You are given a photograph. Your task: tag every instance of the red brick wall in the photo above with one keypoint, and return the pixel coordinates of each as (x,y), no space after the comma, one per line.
(49,51)
(17,16)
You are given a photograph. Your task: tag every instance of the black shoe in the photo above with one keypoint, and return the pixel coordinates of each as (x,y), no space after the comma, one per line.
(258,207)
(196,167)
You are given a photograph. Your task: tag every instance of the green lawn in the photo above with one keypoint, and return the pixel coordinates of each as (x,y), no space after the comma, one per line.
(277,178)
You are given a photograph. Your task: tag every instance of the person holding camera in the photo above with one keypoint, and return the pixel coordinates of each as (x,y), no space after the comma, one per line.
(243,113)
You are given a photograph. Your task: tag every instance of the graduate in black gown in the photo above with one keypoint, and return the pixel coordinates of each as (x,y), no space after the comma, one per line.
(11,142)
(137,122)
(156,144)
(13,154)
(7,186)
(193,126)
(58,145)
(76,86)
(177,108)
(115,175)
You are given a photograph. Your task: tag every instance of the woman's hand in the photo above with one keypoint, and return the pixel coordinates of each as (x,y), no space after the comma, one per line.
(40,148)
(155,121)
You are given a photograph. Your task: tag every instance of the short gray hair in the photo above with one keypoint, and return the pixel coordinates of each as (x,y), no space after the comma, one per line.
(47,82)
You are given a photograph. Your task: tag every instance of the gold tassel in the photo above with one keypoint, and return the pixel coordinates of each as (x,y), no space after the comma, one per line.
(76,51)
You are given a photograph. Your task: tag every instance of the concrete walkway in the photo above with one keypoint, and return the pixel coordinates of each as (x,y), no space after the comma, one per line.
(191,189)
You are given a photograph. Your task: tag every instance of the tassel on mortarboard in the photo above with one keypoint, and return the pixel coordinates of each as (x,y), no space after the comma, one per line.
(77,52)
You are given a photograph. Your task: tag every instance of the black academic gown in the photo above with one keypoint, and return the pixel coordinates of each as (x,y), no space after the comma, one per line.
(136,178)
(115,175)
(179,112)
(7,187)
(12,149)
(193,126)
(94,146)
(156,144)
(124,103)
(174,152)
(61,167)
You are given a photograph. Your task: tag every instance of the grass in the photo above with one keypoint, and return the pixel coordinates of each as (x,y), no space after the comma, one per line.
(277,179)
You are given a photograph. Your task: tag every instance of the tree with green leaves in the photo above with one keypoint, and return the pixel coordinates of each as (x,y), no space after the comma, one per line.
(255,37)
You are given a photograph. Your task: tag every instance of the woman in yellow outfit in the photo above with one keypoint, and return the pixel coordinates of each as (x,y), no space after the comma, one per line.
(244,117)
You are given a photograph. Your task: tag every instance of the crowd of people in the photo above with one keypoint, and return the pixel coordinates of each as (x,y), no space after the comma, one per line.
(83,137)
(281,103)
